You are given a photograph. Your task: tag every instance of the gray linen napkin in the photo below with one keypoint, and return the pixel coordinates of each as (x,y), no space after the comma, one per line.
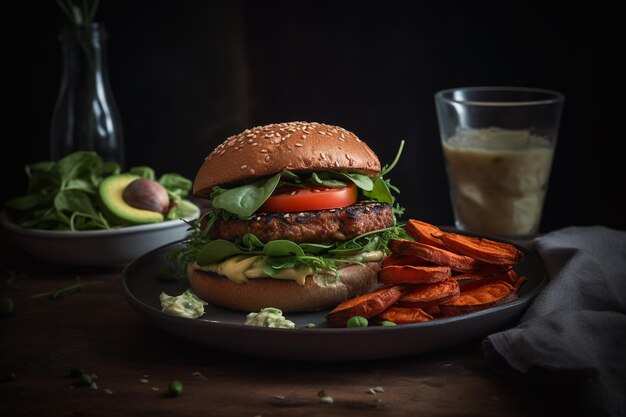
(574,332)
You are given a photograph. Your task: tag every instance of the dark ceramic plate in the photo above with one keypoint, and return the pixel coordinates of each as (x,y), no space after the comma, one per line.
(224,329)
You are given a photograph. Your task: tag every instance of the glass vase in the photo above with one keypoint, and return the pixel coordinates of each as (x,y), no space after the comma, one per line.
(85,116)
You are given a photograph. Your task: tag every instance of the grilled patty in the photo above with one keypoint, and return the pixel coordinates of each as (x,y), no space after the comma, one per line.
(321,226)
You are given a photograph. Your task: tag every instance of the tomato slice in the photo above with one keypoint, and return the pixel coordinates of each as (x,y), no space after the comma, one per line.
(293,199)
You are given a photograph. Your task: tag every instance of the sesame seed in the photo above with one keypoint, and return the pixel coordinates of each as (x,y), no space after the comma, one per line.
(243,166)
(252,171)
(293,192)
(250,140)
(321,133)
(303,136)
(263,151)
(299,145)
(267,158)
(316,190)
(254,144)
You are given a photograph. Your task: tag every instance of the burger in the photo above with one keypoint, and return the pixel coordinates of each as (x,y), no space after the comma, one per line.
(299,219)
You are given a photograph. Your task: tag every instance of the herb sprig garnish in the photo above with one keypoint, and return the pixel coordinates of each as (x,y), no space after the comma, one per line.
(59,292)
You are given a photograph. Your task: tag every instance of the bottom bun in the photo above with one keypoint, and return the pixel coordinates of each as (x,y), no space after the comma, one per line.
(286,295)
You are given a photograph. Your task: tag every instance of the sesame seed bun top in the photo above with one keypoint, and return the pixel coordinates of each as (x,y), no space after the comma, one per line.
(294,146)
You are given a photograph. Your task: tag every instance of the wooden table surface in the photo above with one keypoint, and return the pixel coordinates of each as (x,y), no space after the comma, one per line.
(97,330)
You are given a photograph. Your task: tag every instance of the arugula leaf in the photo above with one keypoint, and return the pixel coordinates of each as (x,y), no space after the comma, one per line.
(362,181)
(176,185)
(77,165)
(143,172)
(325,178)
(383,187)
(282,248)
(251,242)
(315,248)
(387,168)
(217,250)
(380,192)
(245,200)
(74,201)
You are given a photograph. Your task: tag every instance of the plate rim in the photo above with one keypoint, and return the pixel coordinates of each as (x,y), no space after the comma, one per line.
(205,322)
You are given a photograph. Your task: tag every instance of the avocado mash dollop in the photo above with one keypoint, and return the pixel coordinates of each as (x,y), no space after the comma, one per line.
(185,305)
(269,317)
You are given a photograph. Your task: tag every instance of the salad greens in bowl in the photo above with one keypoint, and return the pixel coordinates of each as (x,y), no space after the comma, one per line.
(81,210)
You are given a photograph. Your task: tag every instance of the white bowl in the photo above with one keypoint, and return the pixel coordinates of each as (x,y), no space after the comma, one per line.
(106,248)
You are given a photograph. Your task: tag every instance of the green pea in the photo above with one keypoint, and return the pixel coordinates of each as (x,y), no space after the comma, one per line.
(176,388)
(357,321)
(85,379)
(387,323)
(6,307)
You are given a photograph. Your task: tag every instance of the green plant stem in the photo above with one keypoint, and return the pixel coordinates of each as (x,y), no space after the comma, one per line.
(60,291)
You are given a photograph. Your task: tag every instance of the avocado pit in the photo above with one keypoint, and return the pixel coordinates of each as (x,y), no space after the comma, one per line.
(115,207)
(146,194)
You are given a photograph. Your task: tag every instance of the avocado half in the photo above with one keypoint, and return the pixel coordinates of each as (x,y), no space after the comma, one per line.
(116,210)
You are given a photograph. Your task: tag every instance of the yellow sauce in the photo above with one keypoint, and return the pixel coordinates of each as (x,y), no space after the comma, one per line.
(241,268)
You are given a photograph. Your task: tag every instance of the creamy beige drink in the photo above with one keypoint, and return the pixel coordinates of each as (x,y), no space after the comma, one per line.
(498,179)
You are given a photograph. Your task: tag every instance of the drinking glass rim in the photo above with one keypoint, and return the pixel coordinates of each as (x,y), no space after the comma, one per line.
(552,96)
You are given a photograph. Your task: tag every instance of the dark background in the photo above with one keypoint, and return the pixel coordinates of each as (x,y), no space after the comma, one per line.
(187,74)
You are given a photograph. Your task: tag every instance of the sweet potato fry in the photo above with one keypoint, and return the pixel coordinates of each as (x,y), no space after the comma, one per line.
(402,315)
(433,311)
(521,279)
(424,232)
(394,259)
(427,295)
(484,271)
(442,257)
(367,305)
(409,274)
(510,277)
(483,249)
(479,298)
